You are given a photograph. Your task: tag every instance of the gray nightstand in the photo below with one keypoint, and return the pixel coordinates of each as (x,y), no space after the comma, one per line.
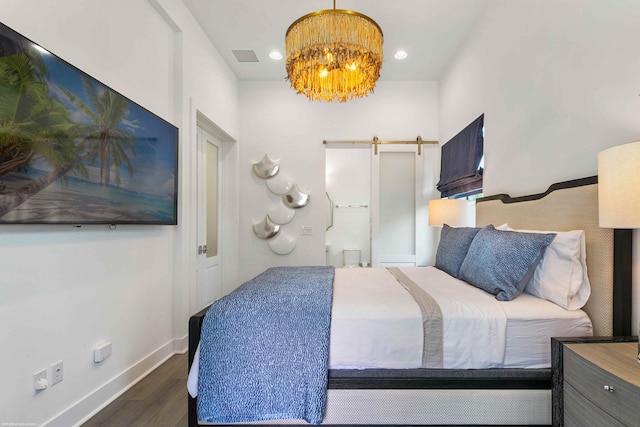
(596,382)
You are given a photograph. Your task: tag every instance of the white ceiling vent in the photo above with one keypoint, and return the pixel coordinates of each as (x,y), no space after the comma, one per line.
(245,55)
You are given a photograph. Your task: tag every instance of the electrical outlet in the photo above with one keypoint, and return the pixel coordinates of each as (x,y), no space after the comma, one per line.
(40,381)
(102,352)
(57,373)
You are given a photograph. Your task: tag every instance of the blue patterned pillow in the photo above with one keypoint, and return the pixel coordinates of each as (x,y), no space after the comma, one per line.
(502,262)
(453,247)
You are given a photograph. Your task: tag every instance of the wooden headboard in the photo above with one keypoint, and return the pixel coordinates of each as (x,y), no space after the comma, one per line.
(573,205)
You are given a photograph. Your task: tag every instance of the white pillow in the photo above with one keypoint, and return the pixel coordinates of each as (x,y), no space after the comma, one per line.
(561,277)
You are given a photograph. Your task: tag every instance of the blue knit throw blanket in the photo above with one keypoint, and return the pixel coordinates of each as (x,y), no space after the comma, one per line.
(264,348)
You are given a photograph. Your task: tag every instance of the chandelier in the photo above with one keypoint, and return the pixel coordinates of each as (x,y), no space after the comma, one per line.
(334,54)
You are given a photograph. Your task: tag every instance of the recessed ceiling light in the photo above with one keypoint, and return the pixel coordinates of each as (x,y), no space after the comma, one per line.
(400,54)
(275,55)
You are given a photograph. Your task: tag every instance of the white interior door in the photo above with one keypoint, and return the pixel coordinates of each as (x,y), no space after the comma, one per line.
(396,188)
(209,224)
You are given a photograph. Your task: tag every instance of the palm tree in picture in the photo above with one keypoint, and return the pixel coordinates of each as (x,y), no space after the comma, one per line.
(33,126)
(101,138)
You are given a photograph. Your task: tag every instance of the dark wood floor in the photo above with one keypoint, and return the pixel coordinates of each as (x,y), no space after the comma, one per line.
(159,400)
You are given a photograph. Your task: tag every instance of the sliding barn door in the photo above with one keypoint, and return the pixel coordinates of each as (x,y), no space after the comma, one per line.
(396,187)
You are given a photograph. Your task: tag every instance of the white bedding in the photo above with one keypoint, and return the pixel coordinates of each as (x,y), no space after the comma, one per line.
(367,331)
(377,324)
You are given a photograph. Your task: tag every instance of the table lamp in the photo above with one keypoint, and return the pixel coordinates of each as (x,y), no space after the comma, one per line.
(619,198)
(453,212)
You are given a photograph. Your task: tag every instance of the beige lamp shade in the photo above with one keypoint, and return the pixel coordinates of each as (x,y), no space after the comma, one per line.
(619,186)
(452,212)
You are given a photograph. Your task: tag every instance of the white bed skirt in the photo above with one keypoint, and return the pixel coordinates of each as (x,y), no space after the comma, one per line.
(439,407)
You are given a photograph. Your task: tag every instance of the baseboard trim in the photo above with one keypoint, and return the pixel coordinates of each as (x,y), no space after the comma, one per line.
(79,412)
(181,345)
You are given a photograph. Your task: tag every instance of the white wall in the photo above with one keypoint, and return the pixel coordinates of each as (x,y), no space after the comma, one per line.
(274,120)
(207,93)
(63,290)
(558,81)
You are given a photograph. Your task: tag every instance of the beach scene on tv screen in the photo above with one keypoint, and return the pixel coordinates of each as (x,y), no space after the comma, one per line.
(73,150)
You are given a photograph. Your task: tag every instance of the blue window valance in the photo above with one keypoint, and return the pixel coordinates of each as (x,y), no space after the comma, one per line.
(460,170)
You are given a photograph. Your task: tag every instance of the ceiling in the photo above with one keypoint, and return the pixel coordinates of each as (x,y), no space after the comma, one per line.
(430,31)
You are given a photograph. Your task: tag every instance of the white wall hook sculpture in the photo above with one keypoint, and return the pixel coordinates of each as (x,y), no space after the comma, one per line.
(292,198)
(266,168)
(280,184)
(281,214)
(283,244)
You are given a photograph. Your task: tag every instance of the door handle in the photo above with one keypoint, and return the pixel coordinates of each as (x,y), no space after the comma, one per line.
(202,249)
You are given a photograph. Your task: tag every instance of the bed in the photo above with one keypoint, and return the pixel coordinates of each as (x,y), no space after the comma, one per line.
(517,390)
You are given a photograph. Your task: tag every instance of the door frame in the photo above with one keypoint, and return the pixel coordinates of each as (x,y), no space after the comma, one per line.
(203,138)
(228,214)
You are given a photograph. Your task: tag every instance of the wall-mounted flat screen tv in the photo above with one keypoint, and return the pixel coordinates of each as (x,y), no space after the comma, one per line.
(74,151)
